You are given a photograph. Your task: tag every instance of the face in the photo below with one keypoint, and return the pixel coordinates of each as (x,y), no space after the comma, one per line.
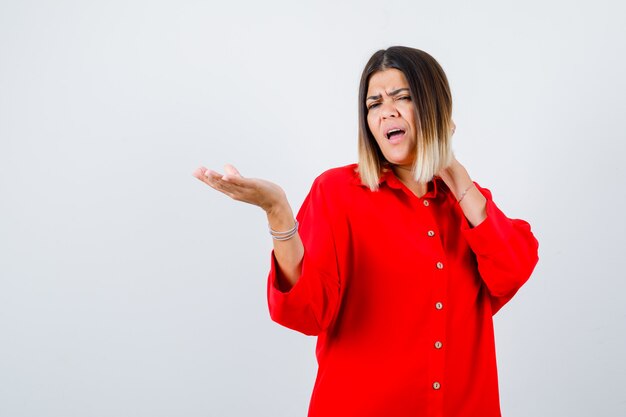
(391,116)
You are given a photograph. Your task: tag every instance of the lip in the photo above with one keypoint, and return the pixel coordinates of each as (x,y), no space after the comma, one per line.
(396,139)
(390,128)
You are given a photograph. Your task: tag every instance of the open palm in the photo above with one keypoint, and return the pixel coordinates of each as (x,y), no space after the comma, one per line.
(259,192)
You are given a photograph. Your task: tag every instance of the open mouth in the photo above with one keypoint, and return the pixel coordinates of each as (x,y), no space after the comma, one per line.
(394,133)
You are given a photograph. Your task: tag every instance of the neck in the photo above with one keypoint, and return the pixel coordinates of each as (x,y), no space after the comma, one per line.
(406,176)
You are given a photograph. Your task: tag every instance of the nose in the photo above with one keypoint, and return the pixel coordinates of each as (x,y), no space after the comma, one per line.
(389,109)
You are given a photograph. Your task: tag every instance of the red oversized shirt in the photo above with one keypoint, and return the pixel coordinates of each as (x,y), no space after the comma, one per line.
(400,292)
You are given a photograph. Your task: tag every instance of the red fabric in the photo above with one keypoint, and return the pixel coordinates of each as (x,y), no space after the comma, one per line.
(369,287)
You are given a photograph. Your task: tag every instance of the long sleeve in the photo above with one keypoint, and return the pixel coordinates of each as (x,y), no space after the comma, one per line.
(401,293)
(506,252)
(310,305)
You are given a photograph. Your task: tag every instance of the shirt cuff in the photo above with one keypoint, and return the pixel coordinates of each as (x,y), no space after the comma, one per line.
(489,236)
(295,294)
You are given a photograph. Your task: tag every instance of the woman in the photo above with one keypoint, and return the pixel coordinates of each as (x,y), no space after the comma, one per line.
(398,263)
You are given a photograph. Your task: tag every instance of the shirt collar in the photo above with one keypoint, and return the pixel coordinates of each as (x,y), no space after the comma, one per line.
(435,187)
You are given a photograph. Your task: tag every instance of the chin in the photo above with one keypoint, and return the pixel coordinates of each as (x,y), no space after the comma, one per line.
(400,160)
(399,156)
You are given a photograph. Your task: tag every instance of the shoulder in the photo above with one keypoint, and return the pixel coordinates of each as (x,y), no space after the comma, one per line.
(335,186)
(332,189)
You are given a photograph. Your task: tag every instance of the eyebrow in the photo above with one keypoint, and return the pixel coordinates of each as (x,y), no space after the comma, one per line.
(393,93)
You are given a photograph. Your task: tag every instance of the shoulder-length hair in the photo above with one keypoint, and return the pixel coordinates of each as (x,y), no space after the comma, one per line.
(431,96)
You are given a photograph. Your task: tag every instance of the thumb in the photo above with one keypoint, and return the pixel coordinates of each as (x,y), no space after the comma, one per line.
(231,170)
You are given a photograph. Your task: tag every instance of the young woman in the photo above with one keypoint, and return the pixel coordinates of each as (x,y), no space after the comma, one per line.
(398,263)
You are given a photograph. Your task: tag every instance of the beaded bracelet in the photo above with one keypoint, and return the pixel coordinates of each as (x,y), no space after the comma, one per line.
(284,235)
(464,192)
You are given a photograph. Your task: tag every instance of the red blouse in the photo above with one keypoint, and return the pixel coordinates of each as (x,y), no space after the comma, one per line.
(400,292)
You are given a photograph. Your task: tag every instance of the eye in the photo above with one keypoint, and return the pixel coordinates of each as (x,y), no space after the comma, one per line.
(371,106)
(404,98)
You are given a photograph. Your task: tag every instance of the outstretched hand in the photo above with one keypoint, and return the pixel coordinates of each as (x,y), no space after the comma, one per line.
(258,192)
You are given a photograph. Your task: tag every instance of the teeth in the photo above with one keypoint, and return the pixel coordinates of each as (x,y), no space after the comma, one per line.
(393,131)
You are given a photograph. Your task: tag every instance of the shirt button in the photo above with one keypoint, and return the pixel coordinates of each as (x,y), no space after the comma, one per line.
(426,203)
(436,385)
(438,344)
(431,233)
(439,265)
(439,306)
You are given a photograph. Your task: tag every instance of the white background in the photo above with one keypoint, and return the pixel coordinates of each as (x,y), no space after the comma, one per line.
(129,288)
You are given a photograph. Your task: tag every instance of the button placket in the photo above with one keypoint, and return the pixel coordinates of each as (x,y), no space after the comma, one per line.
(439,276)
(437,356)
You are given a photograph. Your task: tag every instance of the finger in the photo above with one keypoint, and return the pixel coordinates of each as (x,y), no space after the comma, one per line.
(236,188)
(237,180)
(212,178)
(210,175)
(199,172)
(231,171)
(232,176)
(217,181)
(207,176)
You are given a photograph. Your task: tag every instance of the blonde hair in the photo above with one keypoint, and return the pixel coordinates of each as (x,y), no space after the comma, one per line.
(431,96)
